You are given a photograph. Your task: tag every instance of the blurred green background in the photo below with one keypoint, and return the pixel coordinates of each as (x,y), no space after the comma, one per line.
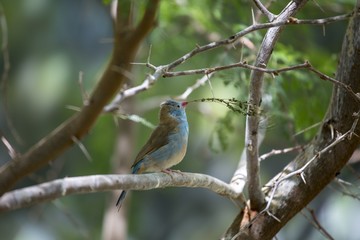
(51,42)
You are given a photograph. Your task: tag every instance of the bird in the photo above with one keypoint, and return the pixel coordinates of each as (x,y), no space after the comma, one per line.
(167,144)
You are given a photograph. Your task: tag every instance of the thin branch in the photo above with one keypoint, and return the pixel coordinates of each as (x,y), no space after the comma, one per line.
(244,64)
(126,45)
(345,189)
(272,72)
(96,183)
(147,83)
(315,222)
(333,80)
(84,94)
(270,16)
(200,82)
(161,71)
(300,171)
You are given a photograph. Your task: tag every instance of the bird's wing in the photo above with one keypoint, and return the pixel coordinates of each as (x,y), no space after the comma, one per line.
(158,138)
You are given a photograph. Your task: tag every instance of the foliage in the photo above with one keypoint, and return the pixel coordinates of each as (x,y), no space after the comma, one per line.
(51,43)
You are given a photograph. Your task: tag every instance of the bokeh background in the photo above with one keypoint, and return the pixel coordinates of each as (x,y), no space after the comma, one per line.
(53,44)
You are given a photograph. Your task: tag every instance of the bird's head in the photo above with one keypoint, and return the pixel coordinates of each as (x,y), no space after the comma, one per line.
(173,109)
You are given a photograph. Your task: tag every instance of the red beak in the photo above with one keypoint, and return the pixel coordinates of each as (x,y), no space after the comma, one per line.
(183,104)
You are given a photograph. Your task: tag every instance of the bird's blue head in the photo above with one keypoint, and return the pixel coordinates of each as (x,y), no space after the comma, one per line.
(173,109)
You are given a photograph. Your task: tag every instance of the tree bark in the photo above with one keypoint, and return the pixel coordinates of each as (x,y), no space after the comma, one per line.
(293,194)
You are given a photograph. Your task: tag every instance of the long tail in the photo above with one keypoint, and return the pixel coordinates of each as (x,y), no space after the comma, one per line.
(135,170)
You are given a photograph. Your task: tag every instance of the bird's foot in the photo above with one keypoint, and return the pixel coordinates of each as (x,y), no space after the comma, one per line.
(171,171)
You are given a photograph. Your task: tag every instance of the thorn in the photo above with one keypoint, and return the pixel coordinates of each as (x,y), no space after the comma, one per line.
(8,146)
(302,175)
(273,216)
(253,16)
(82,148)
(84,94)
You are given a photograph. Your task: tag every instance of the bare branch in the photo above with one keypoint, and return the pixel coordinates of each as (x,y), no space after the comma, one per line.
(164,70)
(256,196)
(270,16)
(127,42)
(280,151)
(315,222)
(96,183)
(243,64)
(200,82)
(148,82)
(345,189)
(300,171)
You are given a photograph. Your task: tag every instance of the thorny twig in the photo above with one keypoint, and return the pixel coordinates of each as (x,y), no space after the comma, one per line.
(272,72)
(270,16)
(163,71)
(315,222)
(344,188)
(300,171)
(280,151)
(200,82)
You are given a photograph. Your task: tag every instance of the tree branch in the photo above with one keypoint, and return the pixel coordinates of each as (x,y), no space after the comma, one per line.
(252,122)
(96,183)
(163,71)
(51,146)
(293,194)
(270,16)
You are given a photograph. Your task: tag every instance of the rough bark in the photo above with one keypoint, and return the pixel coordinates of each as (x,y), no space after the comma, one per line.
(293,194)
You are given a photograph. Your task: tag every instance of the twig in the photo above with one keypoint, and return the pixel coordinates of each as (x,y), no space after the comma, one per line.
(333,80)
(280,151)
(270,16)
(96,183)
(273,72)
(136,118)
(307,129)
(344,189)
(200,82)
(84,94)
(148,82)
(244,64)
(300,171)
(314,221)
(82,148)
(11,150)
(160,71)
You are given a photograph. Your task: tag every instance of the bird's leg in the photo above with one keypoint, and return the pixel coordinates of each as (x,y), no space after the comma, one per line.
(171,171)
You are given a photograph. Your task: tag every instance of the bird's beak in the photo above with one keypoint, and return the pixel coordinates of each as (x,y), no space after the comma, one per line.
(183,104)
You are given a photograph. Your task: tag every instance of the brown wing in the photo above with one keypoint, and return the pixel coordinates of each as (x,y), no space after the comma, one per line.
(158,138)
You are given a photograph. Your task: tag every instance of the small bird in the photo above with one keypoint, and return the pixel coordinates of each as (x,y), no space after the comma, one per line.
(167,144)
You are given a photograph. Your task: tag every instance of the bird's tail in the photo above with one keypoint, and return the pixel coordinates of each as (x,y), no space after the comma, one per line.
(135,170)
(121,199)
